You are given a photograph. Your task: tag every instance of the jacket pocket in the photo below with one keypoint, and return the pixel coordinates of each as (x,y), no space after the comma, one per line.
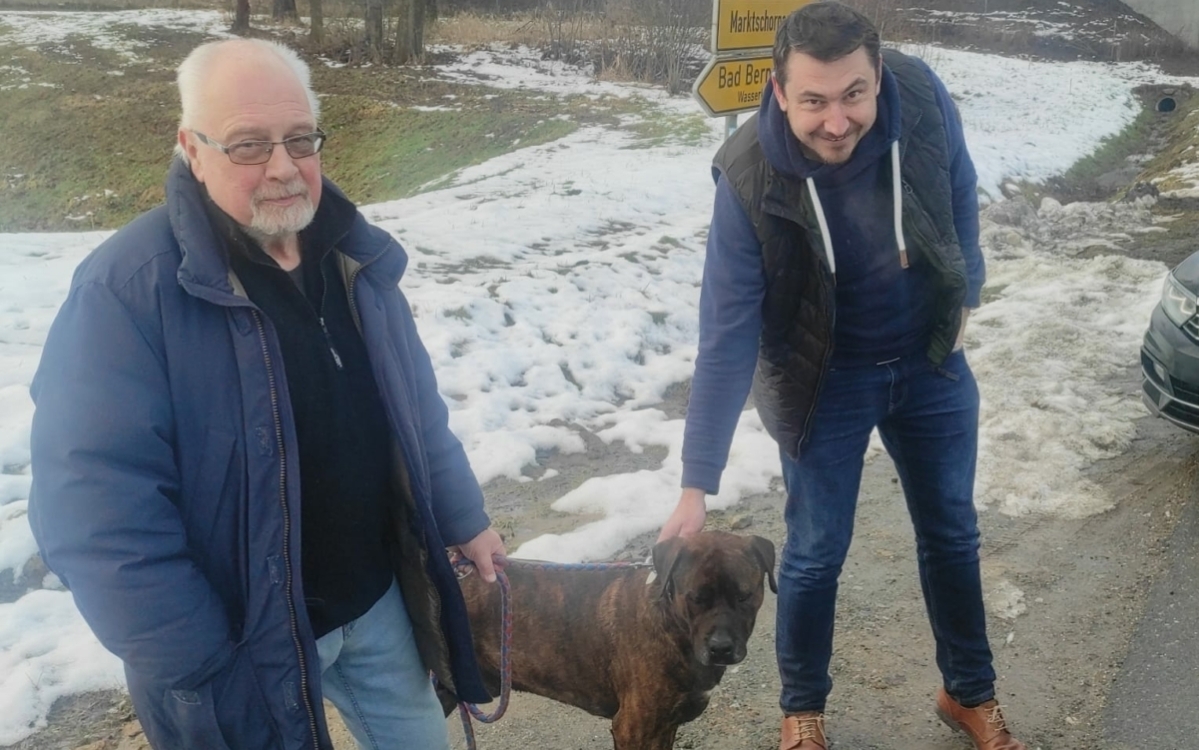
(954,365)
(228,712)
(194,715)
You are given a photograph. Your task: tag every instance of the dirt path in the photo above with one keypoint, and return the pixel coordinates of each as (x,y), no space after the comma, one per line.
(1084,587)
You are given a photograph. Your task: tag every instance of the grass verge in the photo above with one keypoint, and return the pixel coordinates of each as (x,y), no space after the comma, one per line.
(1181,142)
(382,151)
(86,135)
(86,132)
(80,148)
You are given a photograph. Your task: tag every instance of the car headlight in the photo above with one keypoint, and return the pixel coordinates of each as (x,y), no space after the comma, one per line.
(1177,302)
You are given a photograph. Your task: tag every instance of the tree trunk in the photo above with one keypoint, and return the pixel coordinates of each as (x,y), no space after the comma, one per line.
(410,30)
(241,17)
(284,10)
(374,29)
(316,31)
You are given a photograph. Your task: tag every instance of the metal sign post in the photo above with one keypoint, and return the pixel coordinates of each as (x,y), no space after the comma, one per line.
(742,46)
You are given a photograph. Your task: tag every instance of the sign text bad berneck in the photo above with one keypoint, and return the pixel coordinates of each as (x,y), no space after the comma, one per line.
(729,86)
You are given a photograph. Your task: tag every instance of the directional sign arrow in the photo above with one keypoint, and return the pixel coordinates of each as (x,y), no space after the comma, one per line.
(732,85)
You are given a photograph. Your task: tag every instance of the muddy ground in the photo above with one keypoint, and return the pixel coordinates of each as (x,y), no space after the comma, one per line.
(1085,583)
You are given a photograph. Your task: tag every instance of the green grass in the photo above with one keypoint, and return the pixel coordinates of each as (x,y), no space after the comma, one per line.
(378,151)
(1112,151)
(94,132)
(658,129)
(91,150)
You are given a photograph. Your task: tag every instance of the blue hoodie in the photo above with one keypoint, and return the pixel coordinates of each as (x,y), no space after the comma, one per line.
(883,311)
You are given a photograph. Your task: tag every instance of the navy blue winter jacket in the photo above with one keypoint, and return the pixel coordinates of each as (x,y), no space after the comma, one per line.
(165,480)
(882,313)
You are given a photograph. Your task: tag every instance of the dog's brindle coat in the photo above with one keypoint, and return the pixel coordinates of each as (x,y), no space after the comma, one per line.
(644,655)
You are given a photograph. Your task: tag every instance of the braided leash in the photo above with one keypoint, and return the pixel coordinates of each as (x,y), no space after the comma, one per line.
(464,567)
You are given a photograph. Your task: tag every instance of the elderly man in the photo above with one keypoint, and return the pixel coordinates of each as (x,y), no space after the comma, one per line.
(243,469)
(842,260)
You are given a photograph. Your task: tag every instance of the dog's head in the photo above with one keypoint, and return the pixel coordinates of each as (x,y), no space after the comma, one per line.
(713,584)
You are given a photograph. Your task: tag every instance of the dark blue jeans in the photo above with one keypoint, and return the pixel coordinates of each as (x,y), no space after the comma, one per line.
(928,420)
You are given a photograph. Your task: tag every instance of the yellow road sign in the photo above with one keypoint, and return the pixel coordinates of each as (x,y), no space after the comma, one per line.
(739,25)
(732,85)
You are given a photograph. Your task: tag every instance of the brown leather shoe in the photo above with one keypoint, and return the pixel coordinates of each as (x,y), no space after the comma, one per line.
(803,731)
(984,724)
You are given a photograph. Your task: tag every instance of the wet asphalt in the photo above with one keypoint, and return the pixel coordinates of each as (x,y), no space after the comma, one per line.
(1154,703)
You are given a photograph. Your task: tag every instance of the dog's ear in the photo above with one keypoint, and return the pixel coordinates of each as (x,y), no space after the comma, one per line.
(667,555)
(763,551)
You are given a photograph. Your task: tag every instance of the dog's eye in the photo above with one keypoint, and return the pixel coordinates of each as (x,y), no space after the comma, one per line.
(745,596)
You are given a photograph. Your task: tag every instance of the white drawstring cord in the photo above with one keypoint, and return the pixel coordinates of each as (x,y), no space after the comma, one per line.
(828,243)
(898,198)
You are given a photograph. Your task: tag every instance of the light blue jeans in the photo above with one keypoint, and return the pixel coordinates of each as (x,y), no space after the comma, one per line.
(372,673)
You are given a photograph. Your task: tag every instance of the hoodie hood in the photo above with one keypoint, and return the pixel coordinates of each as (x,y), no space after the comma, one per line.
(782,149)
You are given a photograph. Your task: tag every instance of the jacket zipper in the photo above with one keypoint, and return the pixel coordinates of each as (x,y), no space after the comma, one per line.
(350,296)
(828,355)
(434,596)
(329,341)
(291,607)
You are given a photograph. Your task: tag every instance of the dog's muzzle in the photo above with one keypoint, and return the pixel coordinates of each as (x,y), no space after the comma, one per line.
(723,651)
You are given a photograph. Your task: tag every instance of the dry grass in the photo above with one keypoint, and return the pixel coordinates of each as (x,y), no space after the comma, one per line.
(109,5)
(617,71)
(472,30)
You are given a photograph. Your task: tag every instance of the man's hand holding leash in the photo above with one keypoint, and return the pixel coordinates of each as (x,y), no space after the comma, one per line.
(486,551)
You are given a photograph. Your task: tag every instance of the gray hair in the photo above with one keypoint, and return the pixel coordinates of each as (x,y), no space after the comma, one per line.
(195,68)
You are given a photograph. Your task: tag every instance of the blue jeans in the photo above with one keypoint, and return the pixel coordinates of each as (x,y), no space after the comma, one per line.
(372,673)
(928,419)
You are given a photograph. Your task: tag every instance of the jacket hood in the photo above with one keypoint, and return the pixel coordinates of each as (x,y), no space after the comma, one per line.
(782,149)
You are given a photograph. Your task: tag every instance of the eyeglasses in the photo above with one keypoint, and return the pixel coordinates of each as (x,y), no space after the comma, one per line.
(249,153)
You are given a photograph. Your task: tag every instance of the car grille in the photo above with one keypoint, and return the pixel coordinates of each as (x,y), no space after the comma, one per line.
(1182,412)
(1191,328)
(1185,391)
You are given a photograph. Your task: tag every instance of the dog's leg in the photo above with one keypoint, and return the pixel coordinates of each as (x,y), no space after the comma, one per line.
(636,731)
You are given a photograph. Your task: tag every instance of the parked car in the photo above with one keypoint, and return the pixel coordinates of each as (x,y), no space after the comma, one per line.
(1170,352)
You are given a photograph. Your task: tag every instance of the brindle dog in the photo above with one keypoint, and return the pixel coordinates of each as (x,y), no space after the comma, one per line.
(642,651)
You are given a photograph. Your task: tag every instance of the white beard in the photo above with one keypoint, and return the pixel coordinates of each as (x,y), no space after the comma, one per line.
(272,222)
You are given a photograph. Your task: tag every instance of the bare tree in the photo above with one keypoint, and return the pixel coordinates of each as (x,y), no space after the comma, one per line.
(316,29)
(241,17)
(284,10)
(410,30)
(374,28)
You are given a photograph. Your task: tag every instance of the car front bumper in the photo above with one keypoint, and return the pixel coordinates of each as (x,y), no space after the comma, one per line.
(1170,372)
